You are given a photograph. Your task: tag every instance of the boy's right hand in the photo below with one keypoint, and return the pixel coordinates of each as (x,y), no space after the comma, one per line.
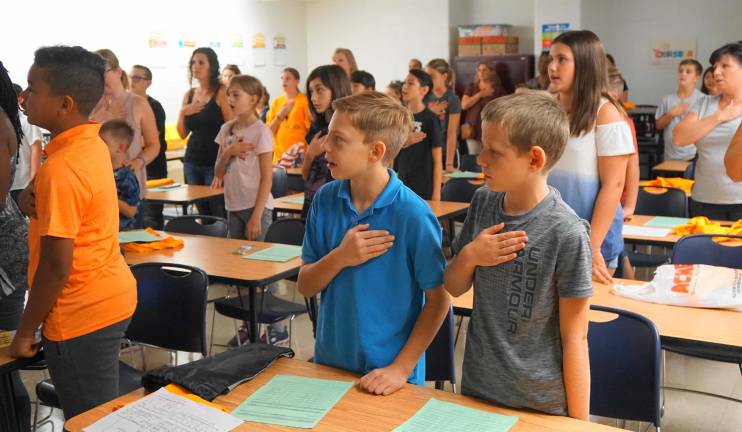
(27,201)
(360,245)
(491,248)
(678,109)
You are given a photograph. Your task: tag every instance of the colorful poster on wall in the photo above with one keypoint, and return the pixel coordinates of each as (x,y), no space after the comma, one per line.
(158,48)
(258,49)
(669,51)
(549,32)
(234,49)
(280,56)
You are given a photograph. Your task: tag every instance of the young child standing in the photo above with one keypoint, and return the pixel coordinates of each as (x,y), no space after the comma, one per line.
(442,100)
(373,249)
(82,290)
(244,162)
(674,106)
(117,134)
(419,163)
(528,255)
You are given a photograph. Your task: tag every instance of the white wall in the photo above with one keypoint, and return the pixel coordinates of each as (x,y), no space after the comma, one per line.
(127,31)
(519,14)
(383,34)
(627,27)
(554,12)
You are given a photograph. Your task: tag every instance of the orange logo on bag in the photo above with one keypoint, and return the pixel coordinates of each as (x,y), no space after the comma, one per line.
(682,278)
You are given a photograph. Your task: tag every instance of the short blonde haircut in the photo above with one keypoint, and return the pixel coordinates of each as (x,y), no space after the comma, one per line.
(380,118)
(531,118)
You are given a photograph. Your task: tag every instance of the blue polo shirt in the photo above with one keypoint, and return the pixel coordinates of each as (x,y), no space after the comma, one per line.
(367,312)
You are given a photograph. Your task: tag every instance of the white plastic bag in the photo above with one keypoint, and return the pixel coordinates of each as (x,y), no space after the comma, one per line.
(694,285)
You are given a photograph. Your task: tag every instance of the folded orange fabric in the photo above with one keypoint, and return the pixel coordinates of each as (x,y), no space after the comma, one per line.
(180,391)
(166,243)
(674,182)
(702,225)
(159,182)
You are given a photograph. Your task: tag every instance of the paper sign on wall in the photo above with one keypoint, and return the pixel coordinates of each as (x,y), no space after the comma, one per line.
(158,48)
(234,49)
(280,56)
(258,49)
(549,32)
(669,51)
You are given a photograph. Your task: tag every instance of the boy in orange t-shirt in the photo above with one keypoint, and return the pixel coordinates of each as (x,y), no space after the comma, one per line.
(82,292)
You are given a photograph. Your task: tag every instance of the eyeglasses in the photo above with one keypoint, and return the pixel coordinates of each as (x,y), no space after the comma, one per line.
(137,78)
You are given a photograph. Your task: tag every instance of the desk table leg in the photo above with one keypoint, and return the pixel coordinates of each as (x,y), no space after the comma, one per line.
(253,315)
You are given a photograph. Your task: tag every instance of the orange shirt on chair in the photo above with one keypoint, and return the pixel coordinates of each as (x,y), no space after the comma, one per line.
(76,199)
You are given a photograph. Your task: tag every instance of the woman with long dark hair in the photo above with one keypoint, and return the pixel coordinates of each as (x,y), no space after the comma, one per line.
(204,111)
(13,235)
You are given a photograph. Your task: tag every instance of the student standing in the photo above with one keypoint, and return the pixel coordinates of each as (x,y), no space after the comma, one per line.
(245,162)
(675,106)
(591,174)
(373,249)
(710,124)
(344,58)
(485,88)
(29,153)
(289,117)
(443,101)
(117,134)
(528,255)
(82,292)
(418,163)
(362,81)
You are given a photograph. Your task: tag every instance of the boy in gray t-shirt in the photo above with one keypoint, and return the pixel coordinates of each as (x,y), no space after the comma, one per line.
(674,106)
(528,255)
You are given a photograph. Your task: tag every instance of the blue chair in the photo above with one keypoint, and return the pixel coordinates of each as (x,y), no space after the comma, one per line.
(198,225)
(440,362)
(457,190)
(280,185)
(702,249)
(469,163)
(271,309)
(170,314)
(625,369)
(690,171)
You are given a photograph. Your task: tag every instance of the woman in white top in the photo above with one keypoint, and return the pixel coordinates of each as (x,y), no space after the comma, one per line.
(590,175)
(710,124)
(119,103)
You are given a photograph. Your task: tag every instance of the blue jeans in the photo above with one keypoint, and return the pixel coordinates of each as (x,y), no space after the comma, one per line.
(204,175)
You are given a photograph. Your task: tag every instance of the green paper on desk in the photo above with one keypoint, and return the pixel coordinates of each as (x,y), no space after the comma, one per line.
(276,253)
(166,188)
(137,236)
(448,417)
(294,200)
(464,174)
(665,222)
(292,401)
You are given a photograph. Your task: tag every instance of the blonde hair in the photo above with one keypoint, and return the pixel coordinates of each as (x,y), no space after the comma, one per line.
(443,68)
(348,54)
(112,62)
(531,118)
(380,118)
(250,85)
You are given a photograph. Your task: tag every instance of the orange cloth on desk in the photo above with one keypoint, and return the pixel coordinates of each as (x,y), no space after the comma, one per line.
(165,243)
(675,182)
(702,225)
(159,182)
(180,391)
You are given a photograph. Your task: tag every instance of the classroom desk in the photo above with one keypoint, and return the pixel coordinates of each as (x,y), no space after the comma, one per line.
(671,168)
(178,154)
(184,196)
(9,420)
(358,410)
(442,209)
(474,181)
(669,240)
(214,256)
(708,326)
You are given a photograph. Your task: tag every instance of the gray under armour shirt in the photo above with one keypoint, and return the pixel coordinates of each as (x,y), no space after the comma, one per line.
(513,352)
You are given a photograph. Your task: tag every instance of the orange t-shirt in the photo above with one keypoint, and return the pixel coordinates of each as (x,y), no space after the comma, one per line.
(292,130)
(76,199)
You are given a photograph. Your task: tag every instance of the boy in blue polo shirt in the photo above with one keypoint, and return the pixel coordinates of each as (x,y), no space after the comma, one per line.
(373,249)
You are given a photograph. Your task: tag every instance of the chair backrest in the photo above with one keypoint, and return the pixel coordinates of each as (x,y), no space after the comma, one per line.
(702,249)
(469,163)
(171,307)
(199,225)
(690,171)
(440,363)
(280,185)
(458,190)
(625,363)
(669,202)
(287,231)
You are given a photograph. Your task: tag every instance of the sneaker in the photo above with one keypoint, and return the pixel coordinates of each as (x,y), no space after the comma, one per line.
(244,337)
(278,336)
